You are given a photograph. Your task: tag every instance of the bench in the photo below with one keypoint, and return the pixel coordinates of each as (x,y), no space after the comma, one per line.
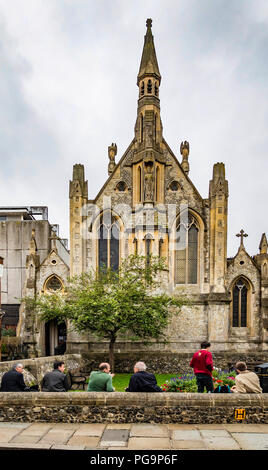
(77,378)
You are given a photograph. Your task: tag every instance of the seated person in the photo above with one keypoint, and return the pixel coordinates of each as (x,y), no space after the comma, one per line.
(13,380)
(246,381)
(56,381)
(142,381)
(101,380)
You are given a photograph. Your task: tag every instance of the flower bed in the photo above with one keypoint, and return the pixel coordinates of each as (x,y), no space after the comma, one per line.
(187,382)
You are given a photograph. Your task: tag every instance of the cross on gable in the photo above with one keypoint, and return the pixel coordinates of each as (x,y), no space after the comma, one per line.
(242,234)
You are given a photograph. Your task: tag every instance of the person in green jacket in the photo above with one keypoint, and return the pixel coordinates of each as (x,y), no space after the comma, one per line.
(101,380)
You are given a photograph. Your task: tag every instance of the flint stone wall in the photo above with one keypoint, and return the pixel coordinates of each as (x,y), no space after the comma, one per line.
(123,407)
(36,368)
(167,363)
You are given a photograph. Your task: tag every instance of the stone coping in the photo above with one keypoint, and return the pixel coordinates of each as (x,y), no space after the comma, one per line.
(127,399)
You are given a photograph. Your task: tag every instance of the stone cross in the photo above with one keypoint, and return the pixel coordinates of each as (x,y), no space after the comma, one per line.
(242,234)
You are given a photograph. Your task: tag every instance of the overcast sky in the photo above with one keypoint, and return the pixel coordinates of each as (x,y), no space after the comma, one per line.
(68,90)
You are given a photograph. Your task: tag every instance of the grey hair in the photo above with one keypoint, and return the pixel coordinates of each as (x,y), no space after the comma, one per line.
(17,365)
(140,365)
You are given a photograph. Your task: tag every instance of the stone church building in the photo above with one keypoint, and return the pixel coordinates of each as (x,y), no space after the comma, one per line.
(149,205)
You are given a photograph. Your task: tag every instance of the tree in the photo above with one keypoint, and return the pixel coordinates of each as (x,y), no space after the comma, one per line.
(108,303)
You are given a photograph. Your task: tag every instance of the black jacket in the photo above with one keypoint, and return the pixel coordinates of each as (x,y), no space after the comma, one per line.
(55,381)
(143,381)
(13,381)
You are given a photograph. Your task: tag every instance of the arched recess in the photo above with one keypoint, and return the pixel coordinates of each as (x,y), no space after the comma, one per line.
(108,246)
(53,284)
(55,338)
(187,248)
(241,298)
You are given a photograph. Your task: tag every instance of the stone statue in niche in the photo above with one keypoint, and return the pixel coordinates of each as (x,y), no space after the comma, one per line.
(148,184)
(112,151)
(149,134)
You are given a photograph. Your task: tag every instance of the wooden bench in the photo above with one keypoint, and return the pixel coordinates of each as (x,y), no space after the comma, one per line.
(77,378)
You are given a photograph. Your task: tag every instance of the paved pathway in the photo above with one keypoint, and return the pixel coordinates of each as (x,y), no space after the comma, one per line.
(69,436)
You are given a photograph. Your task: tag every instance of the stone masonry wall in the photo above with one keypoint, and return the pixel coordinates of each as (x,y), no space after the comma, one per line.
(122,407)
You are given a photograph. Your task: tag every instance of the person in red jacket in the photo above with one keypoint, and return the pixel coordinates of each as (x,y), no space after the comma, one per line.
(202,364)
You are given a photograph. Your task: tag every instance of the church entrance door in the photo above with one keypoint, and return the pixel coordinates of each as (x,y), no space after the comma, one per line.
(55,338)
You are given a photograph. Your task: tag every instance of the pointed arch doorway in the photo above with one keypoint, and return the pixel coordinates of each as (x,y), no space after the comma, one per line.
(55,338)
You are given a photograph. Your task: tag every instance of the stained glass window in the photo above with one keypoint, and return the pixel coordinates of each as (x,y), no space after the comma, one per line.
(53,284)
(186,254)
(108,245)
(240,301)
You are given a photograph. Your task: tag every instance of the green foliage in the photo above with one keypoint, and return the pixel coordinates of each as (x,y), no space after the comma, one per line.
(8,332)
(107,302)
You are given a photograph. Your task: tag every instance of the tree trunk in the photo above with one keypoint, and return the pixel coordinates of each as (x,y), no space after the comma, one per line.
(111,353)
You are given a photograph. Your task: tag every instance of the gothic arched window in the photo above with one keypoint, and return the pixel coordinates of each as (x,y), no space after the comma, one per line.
(108,244)
(186,252)
(149,86)
(53,284)
(240,294)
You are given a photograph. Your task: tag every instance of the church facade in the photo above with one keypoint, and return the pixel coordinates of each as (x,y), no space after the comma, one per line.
(149,205)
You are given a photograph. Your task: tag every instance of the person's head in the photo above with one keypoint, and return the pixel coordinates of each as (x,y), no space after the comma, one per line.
(139,367)
(205,345)
(241,366)
(18,367)
(105,367)
(59,365)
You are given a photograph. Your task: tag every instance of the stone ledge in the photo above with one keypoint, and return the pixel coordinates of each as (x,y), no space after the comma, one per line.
(130,399)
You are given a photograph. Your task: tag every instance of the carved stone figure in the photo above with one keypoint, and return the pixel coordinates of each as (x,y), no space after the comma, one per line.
(148,184)
(112,151)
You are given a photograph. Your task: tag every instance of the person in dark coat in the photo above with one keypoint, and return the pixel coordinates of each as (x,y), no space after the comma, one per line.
(55,381)
(142,381)
(13,380)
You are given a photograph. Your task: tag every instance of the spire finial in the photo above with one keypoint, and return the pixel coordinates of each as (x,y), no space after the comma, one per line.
(149,22)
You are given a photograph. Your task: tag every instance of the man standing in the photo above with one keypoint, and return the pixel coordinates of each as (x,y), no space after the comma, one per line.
(142,381)
(246,381)
(101,380)
(56,381)
(202,364)
(13,380)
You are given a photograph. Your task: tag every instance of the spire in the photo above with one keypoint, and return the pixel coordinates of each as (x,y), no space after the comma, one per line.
(263,245)
(149,64)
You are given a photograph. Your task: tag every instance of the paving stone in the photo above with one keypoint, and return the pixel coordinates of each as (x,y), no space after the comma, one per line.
(189,444)
(26,439)
(71,426)
(214,433)
(90,430)
(55,437)
(250,441)
(152,443)
(8,434)
(221,443)
(119,426)
(248,428)
(211,426)
(65,447)
(18,445)
(186,435)
(14,425)
(149,430)
(114,438)
(86,441)
(182,426)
